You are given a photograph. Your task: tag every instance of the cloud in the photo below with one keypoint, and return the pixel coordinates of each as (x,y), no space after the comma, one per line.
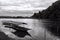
(20,8)
(25,4)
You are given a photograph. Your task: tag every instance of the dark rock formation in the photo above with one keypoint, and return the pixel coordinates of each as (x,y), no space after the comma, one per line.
(20,31)
(3,36)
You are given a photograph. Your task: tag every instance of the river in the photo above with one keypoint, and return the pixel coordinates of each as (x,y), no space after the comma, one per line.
(37,26)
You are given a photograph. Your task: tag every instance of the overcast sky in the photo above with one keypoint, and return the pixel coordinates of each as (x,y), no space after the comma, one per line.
(25,4)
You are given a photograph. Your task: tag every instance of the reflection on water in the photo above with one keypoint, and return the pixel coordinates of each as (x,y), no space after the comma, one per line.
(37,31)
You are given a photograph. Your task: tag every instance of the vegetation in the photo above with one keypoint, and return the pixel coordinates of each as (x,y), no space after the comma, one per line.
(12,17)
(52,12)
(37,15)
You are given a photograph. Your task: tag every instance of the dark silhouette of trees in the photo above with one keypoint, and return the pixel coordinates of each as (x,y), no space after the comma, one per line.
(52,12)
(37,15)
(13,17)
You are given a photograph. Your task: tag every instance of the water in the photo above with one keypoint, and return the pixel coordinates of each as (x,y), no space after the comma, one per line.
(37,31)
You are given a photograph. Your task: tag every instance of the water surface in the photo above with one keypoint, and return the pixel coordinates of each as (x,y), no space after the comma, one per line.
(37,31)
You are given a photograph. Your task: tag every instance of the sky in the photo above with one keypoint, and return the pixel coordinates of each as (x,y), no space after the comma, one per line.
(23,5)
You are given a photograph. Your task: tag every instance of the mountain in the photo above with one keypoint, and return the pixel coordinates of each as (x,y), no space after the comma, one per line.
(52,12)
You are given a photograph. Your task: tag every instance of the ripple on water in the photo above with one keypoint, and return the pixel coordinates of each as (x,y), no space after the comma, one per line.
(37,29)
